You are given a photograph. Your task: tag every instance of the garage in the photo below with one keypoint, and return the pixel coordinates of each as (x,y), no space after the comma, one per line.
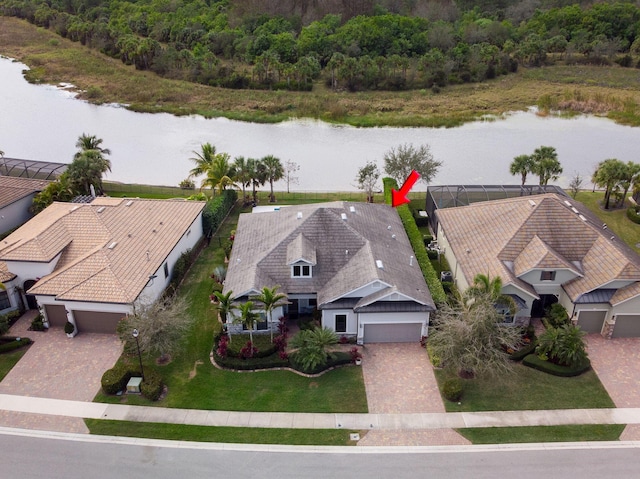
(97,322)
(56,315)
(591,321)
(392,333)
(627,326)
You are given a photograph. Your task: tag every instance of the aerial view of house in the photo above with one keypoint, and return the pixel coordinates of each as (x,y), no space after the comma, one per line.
(89,264)
(351,261)
(546,248)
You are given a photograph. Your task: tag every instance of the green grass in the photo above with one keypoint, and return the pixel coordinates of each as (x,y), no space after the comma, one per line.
(194,383)
(299,437)
(529,389)
(574,433)
(616,219)
(9,360)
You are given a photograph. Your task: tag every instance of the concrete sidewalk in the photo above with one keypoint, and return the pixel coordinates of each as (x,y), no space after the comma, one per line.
(79,409)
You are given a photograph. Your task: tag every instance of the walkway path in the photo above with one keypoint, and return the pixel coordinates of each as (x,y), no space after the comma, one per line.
(412,421)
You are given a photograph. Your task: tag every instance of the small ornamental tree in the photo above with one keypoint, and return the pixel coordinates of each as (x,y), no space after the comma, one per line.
(311,347)
(367,179)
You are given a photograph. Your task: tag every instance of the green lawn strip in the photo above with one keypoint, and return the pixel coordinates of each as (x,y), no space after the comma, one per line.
(527,434)
(616,219)
(9,360)
(340,390)
(529,389)
(240,435)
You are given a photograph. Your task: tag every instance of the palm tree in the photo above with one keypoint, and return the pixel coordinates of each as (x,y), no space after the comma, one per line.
(484,285)
(242,173)
(257,173)
(225,306)
(273,171)
(90,142)
(219,173)
(521,165)
(608,174)
(87,169)
(270,299)
(203,160)
(248,317)
(546,164)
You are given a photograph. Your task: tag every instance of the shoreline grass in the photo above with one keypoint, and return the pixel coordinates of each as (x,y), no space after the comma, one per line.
(606,91)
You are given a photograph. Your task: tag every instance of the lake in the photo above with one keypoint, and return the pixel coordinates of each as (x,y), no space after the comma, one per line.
(40,122)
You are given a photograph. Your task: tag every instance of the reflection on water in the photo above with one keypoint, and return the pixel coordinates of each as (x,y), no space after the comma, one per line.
(43,123)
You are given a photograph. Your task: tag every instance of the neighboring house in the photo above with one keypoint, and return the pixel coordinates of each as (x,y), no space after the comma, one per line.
(546,248)
(16,196)
(351,261)
(90,264)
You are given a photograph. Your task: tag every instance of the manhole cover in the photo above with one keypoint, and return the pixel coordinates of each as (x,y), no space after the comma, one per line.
(354,436)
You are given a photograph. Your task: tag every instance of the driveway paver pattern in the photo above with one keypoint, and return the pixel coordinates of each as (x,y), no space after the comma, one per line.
(399,378)
(58,367)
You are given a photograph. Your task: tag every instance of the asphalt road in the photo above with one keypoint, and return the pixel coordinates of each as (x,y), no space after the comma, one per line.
(70,457)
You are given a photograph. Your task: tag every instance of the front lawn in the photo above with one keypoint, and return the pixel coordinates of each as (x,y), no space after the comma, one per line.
(573,433)
(530,389)
(244,435)
(194,383)
(9,360)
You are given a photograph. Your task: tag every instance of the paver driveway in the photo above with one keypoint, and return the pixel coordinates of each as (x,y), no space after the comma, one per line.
(399,378)
(60,368)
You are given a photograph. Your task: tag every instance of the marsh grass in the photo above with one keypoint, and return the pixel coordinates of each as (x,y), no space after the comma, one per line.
(106,80)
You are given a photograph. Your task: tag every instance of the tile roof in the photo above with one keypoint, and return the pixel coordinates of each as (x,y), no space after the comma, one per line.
(142,232)
(5,274)
(13,188)
(346,251)
(510,236)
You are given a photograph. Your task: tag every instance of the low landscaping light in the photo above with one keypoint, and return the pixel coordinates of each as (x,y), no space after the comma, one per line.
(135,334)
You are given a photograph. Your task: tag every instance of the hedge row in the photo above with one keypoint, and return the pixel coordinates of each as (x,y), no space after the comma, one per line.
(12,343)
(633,214)
(274,361)
(524,351)
(216,211)
(7,320)
(415,237)
(548,367)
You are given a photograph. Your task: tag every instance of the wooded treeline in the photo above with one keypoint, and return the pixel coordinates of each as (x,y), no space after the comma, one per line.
(350,44)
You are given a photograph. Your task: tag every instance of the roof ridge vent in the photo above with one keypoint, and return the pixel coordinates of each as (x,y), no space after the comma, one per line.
(568,203)
(573,208)
(582,217)
(532,203)
(101,209)
(112,245)
(129,203)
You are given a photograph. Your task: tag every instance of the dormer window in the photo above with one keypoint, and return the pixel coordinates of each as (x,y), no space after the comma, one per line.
(301,271)
(547,276)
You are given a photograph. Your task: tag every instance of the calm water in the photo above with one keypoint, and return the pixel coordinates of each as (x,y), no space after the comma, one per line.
(43,123)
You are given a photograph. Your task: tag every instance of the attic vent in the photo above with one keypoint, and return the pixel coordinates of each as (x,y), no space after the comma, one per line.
(574,210)
(343,216)
(299,215)
(74,208)
(393,236)
(129,203)
(582,218)
(379,264)
(352,209)
(532,203)
(567,203)
(113,245)
(101,209)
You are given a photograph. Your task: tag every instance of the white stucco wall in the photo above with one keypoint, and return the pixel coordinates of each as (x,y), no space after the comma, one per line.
(15,214)
(329,320)
(548,287)
(31,270)
(458,276)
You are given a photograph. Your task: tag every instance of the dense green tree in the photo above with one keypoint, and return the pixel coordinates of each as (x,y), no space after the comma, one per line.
(401,161)
(310,347)
(220,174)
(89,165)
(58,190)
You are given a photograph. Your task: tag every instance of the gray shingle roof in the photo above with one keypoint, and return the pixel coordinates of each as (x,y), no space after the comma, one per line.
(346,251)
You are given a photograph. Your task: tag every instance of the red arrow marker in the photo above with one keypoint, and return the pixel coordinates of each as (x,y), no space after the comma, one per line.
(400,197)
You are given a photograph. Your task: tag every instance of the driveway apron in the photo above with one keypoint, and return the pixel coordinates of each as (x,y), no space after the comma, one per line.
(58,367)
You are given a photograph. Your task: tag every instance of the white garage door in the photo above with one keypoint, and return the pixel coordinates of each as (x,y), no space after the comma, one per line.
(627,326)
(591,321)
(392,333)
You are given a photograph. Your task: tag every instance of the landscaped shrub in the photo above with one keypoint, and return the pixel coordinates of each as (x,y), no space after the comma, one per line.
(7,320)
(216,210)
(152,386)
(336,359)
(533,361)
(37,324)
(432,254)
(452,389)
(9,343)
(633,214)
(563,346)
(433,357)
(557,316)
(417,243)
(427,239)
(269,362)
(116,378)
(524,351)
